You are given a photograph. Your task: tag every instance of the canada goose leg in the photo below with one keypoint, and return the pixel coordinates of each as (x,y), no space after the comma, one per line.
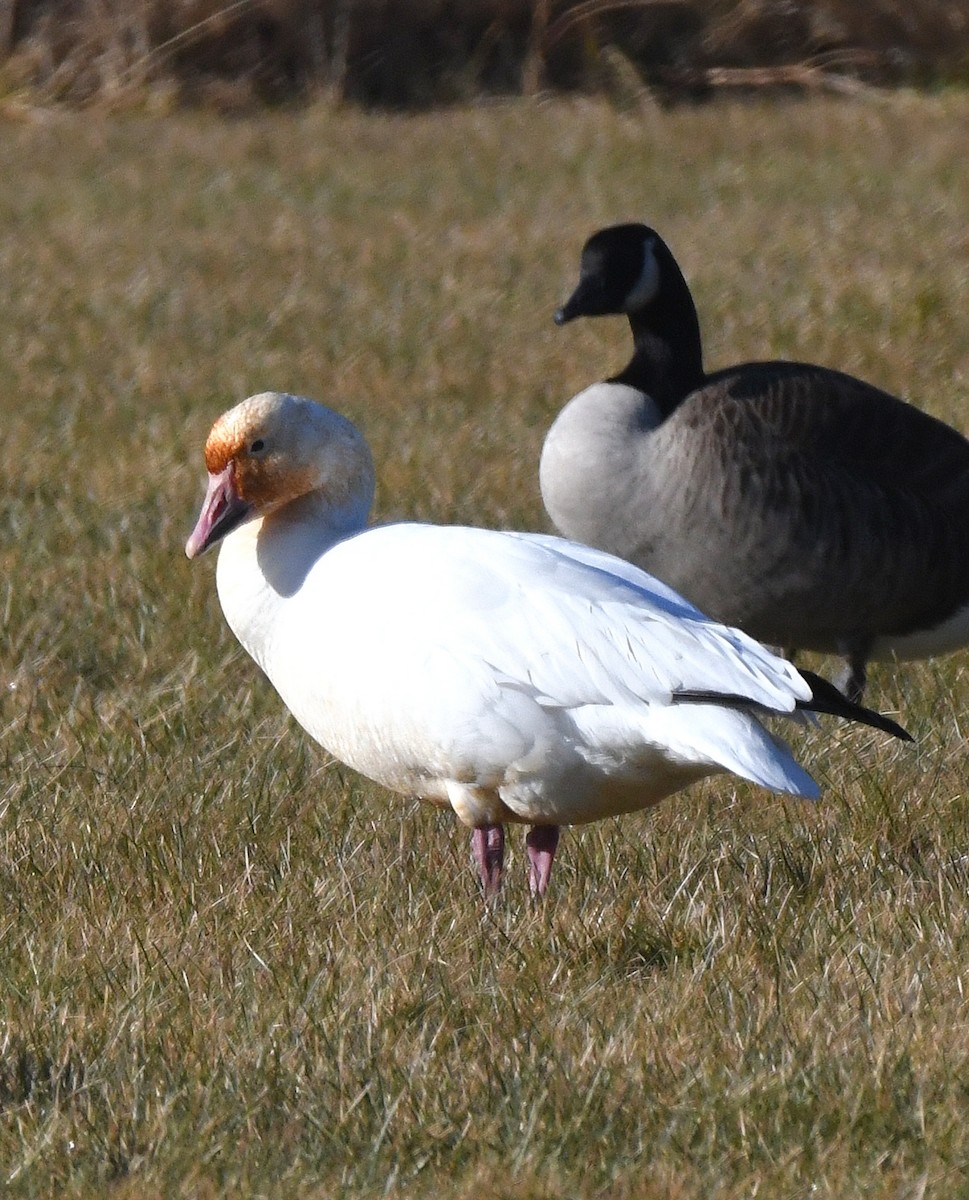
(488,845)
(540,842)
(857,678)
(856,656)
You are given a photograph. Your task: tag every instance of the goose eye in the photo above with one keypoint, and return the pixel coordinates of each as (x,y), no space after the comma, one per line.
(257,446)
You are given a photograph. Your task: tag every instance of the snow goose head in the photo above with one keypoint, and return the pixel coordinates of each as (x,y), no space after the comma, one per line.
(274,449)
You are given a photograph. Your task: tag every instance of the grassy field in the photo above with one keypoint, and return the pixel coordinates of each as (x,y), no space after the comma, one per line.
(232,967)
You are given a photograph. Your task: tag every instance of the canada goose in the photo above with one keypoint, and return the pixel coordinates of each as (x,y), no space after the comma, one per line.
(512,676)
(803,505)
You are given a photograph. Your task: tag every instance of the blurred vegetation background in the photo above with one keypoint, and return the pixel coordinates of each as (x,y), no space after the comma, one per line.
(418,53)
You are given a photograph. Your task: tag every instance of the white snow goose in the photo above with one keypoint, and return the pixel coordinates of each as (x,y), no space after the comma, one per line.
(512,676)
(806,507)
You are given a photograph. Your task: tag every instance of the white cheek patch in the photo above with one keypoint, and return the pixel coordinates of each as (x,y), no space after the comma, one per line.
(647,285)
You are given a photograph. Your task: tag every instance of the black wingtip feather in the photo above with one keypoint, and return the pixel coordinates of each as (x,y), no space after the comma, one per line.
(825,698)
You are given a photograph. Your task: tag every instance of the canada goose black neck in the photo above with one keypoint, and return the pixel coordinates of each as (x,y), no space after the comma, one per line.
(667,363)
(630,269)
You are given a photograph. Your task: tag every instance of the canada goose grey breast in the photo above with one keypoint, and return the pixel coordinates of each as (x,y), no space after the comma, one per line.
(800,503)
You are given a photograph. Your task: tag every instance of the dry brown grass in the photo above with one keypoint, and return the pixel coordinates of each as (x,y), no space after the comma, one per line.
(232,967)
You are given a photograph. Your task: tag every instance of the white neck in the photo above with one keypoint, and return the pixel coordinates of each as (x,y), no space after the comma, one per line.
(264,562)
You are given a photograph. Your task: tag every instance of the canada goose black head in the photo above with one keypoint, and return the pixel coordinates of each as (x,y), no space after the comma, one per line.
(629,269)
(618,273)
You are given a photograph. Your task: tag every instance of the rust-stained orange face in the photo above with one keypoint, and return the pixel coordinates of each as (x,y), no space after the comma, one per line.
(249,439)
(235,490)
(221,448)
(242,445)
(256,480)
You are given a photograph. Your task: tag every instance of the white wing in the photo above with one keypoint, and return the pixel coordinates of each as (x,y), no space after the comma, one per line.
(644,629)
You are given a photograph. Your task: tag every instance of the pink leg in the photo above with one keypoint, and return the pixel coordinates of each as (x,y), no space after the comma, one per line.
(488,845)
(540,841)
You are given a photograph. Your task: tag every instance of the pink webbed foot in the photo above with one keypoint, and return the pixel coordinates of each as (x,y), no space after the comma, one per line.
(488,844)
(540,841)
